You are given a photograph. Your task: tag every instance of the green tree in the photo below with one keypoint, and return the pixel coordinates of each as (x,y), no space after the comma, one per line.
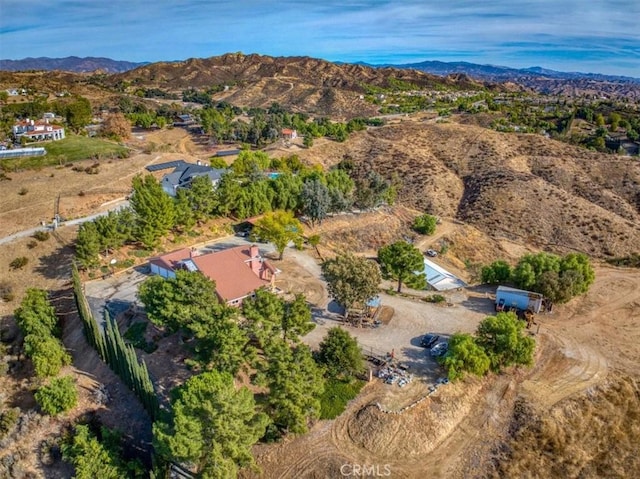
(212,426)
(497,272)
(351,280)
(188,301)
(403,262)
(154,209)
(88,245)
(307,141)
(286,189)
(37,320)
(531,266)
(340,354)
(110,232)
(295,383)
(614,121)
(559,279)
(185,217)
(78,113)
(35,314)
(47,354)
(296,320)
(340,187)
(58,396)
(264,314)
(465,355)
(202,198)
(315,200)
(268,315)
(173,302)
(579,263)
(425,224)
(502,338)
(92,458)
(280,228)
(221,344)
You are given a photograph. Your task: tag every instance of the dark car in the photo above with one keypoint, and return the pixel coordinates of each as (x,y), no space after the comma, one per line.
(439,349)
(429,340)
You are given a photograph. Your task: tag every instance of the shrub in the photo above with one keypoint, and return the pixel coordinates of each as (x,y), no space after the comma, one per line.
(8,420)
(337,393)
(23,191)
(32,244)
(135,335)
(425,224)
(434,298)
(57,397)
(340,354)
(6,291)
(41,235)
(497,272)
(19,262)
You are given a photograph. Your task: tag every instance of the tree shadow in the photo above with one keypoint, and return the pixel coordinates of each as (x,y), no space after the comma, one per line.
(479,305)
(56,265)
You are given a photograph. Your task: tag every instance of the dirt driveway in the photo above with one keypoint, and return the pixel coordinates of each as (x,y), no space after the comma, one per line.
(411,318)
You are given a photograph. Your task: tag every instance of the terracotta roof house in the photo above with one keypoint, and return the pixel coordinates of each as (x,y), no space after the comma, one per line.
(38,130)
(238,272)
(289,134)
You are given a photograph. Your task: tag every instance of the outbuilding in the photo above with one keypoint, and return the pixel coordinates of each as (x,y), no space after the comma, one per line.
(507,297)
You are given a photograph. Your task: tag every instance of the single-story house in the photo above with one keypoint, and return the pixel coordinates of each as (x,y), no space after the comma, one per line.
(184,120)
(37,130)
(238,272)
(184,173)
(289,134)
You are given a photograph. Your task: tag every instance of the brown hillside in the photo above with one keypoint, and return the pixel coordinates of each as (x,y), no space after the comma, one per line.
(298,83)
(520,187)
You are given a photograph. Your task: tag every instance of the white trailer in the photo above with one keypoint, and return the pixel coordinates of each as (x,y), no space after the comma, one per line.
(518,298)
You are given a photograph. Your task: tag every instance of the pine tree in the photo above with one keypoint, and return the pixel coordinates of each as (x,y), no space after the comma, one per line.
(88,245)
(154,209)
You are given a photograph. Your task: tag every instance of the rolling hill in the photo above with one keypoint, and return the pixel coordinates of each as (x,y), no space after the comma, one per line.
(520,187)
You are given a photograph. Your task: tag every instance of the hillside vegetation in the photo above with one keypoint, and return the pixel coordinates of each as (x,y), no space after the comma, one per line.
(521,187)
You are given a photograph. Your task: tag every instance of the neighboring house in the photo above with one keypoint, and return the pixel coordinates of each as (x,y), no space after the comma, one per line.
(238,272)
(289,134)
(184,120)
(184,173)
(38,130)
(619,141)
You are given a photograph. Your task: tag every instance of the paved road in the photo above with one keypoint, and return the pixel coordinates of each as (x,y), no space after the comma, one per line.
(77,221)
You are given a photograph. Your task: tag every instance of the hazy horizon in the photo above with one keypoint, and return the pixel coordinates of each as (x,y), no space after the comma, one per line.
(559,35)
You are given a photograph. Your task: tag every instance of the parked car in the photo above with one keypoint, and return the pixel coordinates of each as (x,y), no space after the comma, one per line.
(439,349)
(428,340)
(431,252)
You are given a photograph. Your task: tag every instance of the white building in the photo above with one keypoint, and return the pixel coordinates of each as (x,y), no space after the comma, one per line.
(38,130)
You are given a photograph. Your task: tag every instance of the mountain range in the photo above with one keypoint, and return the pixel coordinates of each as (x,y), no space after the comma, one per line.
(502,73)
(70,64)
(483,72)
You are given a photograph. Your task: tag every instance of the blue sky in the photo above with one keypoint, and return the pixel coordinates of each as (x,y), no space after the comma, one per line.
(569,35)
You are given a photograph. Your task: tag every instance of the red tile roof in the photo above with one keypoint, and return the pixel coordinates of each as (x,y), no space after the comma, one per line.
(230,269)
(170,260)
